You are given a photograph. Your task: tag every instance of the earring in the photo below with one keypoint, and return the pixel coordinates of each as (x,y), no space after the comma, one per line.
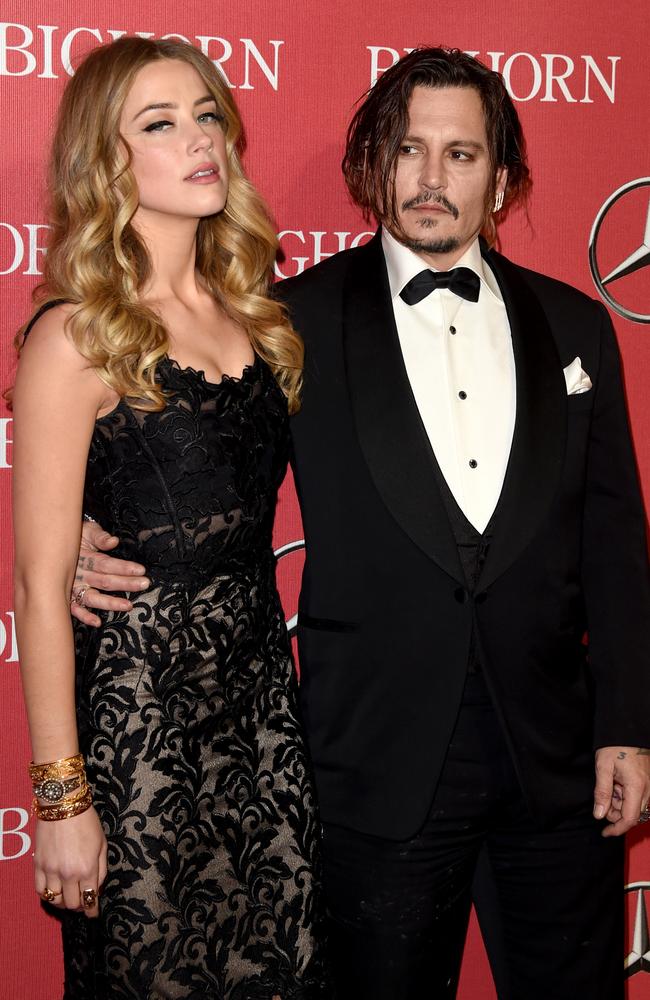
(498,202)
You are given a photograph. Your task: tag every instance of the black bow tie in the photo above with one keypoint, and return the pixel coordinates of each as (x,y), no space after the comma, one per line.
(459,280)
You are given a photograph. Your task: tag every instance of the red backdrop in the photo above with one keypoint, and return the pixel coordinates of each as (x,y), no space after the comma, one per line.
(579,76)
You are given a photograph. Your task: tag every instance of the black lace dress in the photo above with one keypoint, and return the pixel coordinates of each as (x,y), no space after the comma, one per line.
(187,713)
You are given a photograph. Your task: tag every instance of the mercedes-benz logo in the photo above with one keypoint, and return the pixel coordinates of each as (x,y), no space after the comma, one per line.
(638,958)
(638,258)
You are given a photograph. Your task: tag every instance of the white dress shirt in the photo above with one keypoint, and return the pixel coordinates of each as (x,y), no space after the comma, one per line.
(459,360)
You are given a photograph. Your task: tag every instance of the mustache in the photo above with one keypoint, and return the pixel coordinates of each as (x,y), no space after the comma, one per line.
(425,197)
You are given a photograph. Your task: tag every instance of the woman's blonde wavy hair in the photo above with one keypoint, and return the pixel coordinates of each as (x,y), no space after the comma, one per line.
(97,261)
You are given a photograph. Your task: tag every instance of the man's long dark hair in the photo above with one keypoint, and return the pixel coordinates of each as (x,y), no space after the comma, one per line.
(380,124)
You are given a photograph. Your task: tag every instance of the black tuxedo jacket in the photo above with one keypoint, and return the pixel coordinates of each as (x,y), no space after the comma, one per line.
(384,615)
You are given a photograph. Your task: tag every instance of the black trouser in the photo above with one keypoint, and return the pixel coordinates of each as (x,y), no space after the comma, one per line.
(399,910)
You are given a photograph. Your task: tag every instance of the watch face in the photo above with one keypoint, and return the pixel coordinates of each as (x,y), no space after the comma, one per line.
(52,791)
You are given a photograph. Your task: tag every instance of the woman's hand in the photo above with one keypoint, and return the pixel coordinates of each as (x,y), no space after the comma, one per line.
(70,857)
(97,572)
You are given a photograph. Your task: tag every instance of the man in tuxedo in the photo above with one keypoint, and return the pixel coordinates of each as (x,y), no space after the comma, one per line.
(471,510)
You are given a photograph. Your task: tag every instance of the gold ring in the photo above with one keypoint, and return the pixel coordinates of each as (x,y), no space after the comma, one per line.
(78,596)
(49,896)
(88,898)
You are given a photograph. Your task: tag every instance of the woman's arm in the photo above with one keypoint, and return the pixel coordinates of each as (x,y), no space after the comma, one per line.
(56,401)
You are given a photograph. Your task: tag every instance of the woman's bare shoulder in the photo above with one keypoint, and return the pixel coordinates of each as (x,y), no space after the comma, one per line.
(49,329)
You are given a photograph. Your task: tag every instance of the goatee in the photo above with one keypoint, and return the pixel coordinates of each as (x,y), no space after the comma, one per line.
(433,246)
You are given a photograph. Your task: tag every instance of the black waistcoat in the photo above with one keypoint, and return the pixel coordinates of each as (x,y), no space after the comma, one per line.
(472,547)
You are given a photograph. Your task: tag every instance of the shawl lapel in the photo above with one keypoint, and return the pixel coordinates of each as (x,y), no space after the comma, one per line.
(539,440)
(392,437)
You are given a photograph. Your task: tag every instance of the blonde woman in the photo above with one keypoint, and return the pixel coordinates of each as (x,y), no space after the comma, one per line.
(174,799)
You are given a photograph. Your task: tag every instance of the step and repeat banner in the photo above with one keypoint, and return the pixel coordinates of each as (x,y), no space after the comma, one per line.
(579,78)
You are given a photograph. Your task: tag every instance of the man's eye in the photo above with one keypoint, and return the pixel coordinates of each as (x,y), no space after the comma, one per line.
(407,150)
(160,126)
(460,154)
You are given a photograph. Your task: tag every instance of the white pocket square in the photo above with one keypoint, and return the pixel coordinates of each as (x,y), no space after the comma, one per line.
(576,379)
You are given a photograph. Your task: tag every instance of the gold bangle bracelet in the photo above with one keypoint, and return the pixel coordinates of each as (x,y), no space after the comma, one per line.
(65,810)
(55,790)
(67,767)
(76,795)
(53,782)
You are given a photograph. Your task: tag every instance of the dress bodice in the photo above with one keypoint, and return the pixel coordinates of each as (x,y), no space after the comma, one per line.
(190,490)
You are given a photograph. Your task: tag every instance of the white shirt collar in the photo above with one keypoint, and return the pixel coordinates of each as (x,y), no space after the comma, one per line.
(403,265)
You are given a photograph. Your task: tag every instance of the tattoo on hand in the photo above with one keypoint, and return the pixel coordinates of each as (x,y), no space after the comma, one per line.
(622,755)
(86,562)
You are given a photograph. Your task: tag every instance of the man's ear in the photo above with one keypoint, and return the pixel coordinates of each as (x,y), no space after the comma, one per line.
(500,188)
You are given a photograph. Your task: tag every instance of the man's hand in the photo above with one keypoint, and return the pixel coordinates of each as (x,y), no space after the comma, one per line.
(96,573)
(622,790)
